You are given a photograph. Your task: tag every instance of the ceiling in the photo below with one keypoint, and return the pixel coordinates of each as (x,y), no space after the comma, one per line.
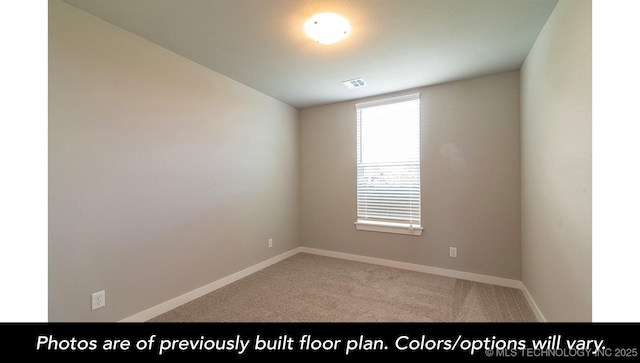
(394,44)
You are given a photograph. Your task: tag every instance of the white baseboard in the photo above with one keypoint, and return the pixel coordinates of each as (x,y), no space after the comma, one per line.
(201,291)
(500,281)
(532,304)
(194,294)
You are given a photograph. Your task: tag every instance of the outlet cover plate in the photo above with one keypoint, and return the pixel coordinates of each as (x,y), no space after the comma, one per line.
(98,300)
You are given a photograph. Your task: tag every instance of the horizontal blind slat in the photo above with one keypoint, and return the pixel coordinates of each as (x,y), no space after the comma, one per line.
(389,190)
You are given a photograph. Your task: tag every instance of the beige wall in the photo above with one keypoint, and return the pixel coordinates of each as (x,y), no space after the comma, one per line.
(471,202)
(556,165)
(163,175)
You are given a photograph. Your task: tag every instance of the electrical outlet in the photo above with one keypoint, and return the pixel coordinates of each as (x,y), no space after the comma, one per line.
(453,252)
(270,242)
(98,300)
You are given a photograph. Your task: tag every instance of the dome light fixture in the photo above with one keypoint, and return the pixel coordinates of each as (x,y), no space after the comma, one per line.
(327,28)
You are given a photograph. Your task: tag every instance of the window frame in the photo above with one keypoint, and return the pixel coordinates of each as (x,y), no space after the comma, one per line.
(387,226)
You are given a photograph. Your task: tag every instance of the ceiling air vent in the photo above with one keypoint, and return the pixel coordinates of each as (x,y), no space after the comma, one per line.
(354,83)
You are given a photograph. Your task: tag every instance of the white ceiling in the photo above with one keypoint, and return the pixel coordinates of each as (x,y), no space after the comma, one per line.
(394,44)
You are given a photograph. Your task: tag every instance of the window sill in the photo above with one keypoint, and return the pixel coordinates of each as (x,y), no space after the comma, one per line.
(398,228)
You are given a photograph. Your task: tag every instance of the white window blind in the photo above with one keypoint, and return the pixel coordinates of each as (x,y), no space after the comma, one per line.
(388,157)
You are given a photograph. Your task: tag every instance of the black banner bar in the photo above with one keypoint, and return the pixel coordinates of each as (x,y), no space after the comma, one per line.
(336,341)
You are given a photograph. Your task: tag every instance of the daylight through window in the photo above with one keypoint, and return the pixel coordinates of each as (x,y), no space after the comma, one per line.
(388,157)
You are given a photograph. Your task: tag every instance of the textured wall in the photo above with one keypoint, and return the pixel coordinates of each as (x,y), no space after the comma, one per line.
(470,179)
(556,165)
(163,175)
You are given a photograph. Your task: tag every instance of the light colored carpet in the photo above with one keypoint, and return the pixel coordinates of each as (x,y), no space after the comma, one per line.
(312,288)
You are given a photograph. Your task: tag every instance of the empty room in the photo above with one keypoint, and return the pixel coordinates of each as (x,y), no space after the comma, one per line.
(221,161)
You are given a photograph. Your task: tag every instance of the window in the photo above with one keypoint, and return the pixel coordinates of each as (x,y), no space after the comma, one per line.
(388,149)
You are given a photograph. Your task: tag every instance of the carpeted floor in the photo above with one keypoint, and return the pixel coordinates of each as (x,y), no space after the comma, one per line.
(312,288)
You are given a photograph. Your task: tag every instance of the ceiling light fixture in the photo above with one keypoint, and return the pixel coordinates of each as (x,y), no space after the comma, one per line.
(327,28)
